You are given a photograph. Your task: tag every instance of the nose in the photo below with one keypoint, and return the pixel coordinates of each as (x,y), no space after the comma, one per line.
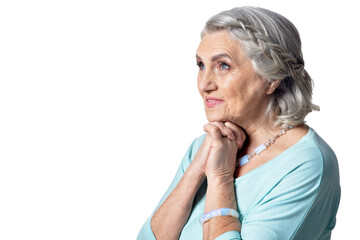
(206,82)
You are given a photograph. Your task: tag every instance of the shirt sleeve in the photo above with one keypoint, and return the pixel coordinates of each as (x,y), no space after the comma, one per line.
(146,231)
(285,209)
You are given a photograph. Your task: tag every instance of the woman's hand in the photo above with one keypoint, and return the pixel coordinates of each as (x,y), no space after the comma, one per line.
(226,139)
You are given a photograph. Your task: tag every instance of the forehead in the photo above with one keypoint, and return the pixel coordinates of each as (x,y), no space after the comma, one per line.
(218,43)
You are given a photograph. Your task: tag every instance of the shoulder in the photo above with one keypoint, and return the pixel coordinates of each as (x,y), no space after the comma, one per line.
(325,156)
(330,179)
(311,164)
(315,163)
(314,152)
(328,156)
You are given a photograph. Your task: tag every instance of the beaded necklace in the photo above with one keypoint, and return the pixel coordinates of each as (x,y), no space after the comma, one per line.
(246,158)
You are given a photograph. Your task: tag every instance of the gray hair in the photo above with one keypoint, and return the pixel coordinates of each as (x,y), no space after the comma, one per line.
(273,45)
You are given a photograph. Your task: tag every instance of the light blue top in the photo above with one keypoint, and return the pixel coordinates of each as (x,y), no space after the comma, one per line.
(294,196)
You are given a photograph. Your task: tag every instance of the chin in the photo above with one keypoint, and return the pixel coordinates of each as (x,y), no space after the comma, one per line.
(217,118)
(212,117)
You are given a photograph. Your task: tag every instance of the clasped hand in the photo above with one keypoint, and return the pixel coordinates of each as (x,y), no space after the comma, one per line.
(216,157)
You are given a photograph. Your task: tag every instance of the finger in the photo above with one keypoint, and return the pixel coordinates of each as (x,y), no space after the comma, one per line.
(240,135)
(225,131)
(214,132)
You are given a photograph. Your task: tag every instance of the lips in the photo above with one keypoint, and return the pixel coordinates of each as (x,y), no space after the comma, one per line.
(213,102)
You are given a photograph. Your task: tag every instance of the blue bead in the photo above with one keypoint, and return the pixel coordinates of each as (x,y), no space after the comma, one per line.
(260,148)
(244,160)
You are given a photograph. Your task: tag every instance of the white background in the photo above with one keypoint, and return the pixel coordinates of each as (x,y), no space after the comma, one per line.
(98,104)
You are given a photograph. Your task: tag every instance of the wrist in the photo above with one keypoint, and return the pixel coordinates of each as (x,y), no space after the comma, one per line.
(220,194)
(220,181)
(195,174)
(196,171)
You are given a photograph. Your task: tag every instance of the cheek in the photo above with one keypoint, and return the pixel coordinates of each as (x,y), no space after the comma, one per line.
(235,92)
(235,104)
(237,97)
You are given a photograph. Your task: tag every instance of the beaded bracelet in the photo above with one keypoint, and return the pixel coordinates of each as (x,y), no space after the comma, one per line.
(218,212)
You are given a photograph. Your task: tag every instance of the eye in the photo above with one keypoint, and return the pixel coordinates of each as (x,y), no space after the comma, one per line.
(201,65)
(224,66)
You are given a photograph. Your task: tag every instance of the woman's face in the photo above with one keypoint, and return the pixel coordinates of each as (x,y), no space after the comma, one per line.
(231,90)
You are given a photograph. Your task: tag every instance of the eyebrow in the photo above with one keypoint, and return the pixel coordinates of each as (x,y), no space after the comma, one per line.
(217,56)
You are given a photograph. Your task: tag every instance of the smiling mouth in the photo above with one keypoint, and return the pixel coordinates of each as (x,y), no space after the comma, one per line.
(213,102)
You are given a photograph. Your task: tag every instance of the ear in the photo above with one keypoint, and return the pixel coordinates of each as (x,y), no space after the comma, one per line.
(272,86)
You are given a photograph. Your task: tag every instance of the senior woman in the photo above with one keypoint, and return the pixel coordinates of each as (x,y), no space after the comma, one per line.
(258,172)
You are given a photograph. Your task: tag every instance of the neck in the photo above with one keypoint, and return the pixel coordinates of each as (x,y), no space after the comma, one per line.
(257,128)
(258,133)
